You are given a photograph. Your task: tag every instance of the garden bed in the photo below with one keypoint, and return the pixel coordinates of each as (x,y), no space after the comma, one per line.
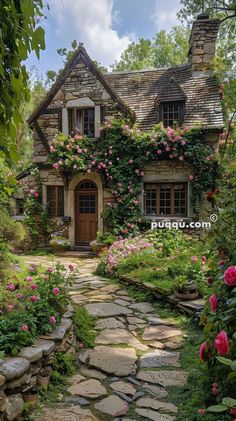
(22,376)
(191,307)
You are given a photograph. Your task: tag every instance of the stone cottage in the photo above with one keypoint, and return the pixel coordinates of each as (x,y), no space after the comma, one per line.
(83,97)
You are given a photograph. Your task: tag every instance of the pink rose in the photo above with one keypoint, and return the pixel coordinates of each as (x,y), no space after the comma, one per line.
(56,291)
(194,259)
(52,149)
(213,300)
(202,351)
(32,268)
(171,156)
(52,319)
(142,173)
(230,276)
(29,278)
(221,343)
(56,166)
(36,195)
(167,149)
(191,177)
(34,298)
(11,287)
(203,259)
(50,269)
(181,158)
(201,411)
(210,280)
(71,268)
(159,151)
(33,286)
(20,296)
(24,328)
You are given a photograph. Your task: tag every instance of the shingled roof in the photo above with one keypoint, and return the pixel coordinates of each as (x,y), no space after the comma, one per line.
(140,90)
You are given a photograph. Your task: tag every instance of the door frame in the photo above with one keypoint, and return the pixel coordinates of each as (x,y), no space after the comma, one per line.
(77,193)
(70,201)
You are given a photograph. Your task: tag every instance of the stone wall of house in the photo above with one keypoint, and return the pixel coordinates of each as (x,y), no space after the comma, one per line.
(82,85)
(167,171)
(25,373)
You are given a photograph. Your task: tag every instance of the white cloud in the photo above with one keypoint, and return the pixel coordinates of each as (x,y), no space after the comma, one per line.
(165,14)
(90,22)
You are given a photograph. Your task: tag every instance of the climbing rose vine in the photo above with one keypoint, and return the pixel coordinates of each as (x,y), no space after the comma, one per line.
(120,156)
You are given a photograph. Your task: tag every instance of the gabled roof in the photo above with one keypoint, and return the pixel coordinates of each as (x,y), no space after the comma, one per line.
(140,90)
(79,54)
(171,91)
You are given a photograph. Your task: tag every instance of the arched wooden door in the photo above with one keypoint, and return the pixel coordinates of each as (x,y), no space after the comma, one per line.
(86,212)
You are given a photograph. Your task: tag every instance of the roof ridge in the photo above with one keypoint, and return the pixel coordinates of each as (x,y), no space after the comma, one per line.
(147,70)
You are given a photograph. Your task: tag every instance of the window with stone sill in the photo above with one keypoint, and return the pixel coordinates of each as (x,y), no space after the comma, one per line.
(166,199)
(171,113)
(82,120)
(55,201)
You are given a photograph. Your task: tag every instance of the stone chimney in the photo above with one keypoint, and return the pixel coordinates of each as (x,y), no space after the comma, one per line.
(202,43)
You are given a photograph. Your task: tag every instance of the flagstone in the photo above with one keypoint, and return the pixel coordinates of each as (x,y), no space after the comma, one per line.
(157,391)
(107,309)
(73,413)
(153,415)
(112,405)
(143,307)
(160,332)
(91,388)
(109,323)
(157,405)
(117,361)
(159,358)
(92,373)
(121,302)
(119,336)
(123,387)
(164,378)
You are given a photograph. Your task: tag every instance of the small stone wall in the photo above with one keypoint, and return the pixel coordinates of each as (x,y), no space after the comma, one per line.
(21,374)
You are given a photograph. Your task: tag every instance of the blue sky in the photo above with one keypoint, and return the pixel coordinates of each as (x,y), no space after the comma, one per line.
(106,27)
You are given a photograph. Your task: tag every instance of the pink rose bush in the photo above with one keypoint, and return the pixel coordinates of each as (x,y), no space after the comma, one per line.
(123,248)
(230,276)
(33,305)
(213,300)
(123,154)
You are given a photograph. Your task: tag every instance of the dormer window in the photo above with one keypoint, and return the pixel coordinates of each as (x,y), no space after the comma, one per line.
(171,113)
(83,120)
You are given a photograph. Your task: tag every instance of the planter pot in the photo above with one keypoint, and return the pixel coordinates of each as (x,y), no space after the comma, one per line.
(31,399)
(43,381)
(187,293)
(96,247)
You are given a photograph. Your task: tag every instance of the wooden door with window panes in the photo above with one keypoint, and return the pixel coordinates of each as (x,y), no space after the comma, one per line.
(86,212)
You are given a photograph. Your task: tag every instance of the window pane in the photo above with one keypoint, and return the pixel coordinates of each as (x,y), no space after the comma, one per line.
(51,199)
(60,204)
(150,203)
(180,200)
(89,122)
(170,113)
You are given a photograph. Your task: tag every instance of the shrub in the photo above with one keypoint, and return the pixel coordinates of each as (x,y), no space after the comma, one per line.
(33,306)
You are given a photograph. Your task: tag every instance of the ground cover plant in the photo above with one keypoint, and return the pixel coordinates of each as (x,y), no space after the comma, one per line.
(32,303)
(164,258)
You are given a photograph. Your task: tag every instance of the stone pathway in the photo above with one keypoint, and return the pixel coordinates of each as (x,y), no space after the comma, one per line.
(135,359)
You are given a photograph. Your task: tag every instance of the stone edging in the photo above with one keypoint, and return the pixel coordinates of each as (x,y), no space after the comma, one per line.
(193,307)
(20,374)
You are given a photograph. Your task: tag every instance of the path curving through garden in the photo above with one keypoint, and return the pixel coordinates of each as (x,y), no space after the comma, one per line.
(135,360)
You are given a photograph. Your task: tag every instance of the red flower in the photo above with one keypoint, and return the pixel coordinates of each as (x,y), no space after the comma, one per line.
(230,276)
(210,280)
(34,298)
(56,291)
(221,343)
(202,351)
(203,259)
(213,300)
(24,328)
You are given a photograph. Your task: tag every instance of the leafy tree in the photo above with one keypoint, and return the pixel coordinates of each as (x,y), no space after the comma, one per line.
(137,56)
(165,50)
(67,55)
(171,48)
(20,34)
(24,135)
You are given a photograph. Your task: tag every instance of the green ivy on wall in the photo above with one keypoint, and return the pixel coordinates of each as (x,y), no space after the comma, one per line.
(121,154)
